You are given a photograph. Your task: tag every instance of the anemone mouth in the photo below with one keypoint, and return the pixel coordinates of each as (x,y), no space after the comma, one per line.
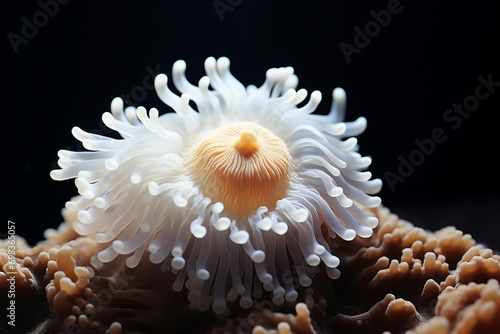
(242,165)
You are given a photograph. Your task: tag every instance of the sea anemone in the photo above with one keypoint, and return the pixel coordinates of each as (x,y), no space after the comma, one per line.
(244,188)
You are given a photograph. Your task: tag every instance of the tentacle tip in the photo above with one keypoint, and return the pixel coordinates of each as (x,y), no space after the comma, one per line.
(223,64)
(55,174)
(339,95)
(335,192)
(116,108)
(280,228)
(88,194)
(376,185)
(279,292)
(203,274)
(334,273)
(246,302)
(305,281)
(177,286)
(179,67)
(84,217)
(217,208)
(258,256)
(301,215)
(116,103)
(240,237)
(349,235)
(180,201)
(222,224)
(204,82)
(365,232)
(154,189)
(267,279)
(118,246)
(160,80)
(374,202)
(132,262)
(198,231)
(291,296)
(111,164)
(272,74)
(371,222)
(101,238)
(313,260)
(101,257)
(319,249)
(135,179)
(107,117)
(316,96)
(219,306)
(265,224)
(210,64)
(178,263)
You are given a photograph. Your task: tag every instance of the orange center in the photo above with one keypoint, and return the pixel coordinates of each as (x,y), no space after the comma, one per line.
(244,166)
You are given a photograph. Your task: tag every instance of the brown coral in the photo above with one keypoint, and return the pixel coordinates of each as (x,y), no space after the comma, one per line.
(403,279)
(473,308)
(407,263)
(389,314)
(287,323)
(467,308)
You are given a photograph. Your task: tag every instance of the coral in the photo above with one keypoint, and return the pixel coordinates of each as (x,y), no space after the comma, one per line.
(389,314)
(16,268)
(407,263)
(287,323)
(471,308)
(400,280)
(478,265)
(466,309)
(398,259)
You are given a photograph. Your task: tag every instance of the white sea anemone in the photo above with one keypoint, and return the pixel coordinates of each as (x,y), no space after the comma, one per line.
(236,192)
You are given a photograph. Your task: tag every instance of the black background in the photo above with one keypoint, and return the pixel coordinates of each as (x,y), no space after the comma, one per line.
(426,59)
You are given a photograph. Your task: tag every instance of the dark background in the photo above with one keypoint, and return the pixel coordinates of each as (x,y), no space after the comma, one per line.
(425,60)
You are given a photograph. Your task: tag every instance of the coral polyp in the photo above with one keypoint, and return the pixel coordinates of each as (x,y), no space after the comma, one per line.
(237,189)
